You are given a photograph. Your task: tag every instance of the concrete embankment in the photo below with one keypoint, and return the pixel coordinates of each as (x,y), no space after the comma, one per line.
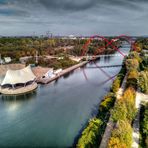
(65,71)
(18,91)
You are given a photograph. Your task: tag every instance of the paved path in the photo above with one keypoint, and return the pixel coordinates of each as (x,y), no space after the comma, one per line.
(110,123)
(63,72)
(139,98)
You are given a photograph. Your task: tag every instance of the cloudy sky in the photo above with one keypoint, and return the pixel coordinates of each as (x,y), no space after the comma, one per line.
(77,17)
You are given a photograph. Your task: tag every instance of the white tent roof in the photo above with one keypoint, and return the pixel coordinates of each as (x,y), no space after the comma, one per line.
(18,76)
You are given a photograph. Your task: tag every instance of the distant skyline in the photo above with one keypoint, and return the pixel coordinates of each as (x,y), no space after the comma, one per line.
(76,17)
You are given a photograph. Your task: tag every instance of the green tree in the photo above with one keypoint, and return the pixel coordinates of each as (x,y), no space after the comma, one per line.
(132,64)
(143,81)
(119,111)
(89,135)
(123,134)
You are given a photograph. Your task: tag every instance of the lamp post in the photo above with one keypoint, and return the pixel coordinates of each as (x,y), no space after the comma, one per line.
(36,59)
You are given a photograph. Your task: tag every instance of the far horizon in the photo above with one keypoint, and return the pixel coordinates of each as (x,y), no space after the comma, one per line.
(68,36)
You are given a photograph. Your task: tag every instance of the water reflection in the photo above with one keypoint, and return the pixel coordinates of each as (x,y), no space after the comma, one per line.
(22,97)
(68,74)
(14,103)
(107,59)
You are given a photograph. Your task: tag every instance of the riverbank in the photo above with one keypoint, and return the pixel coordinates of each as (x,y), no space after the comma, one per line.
(103,132)
(63,72)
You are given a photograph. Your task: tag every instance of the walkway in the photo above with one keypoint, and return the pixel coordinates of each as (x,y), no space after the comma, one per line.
(63,72)
(105,66)
(104,55)
(110,123)
(140,97)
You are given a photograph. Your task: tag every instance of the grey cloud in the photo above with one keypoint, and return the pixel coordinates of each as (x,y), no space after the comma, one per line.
(87,4)
(73,16)
(69,4)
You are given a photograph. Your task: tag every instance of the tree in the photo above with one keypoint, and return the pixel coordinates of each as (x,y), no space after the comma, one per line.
(143,81)
(115,142)
(116,85)
(132,78)
(122,135)
(89,135)
(119,112)
(132,64)
(134,55)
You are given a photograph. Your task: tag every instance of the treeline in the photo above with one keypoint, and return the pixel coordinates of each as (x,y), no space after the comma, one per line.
(56,63)
(19,47)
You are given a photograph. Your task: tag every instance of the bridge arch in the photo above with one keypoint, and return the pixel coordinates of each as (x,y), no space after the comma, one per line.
(128,39)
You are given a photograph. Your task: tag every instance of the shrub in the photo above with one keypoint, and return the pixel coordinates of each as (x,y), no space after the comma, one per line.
(143,81)
(106,105)
(125,107)
(144,125)
(119,112)
(132,64)
(115,143)
(129,95)
(116,85)
(132,78)
(90,134)
(134,55)
(144,63)
(121,135)
(118,81)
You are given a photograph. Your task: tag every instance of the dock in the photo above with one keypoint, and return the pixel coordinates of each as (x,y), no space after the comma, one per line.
(63,72)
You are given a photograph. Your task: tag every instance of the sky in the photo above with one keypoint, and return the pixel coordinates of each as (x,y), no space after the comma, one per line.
(73,17)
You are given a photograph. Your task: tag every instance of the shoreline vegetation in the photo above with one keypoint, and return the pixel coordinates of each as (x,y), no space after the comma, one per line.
(104,110)
(123,110)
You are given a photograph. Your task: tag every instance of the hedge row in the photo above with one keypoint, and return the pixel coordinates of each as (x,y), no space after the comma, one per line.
(118,80)
(125,107)
(143,75)
(123,114)
(121,136)
(144,126)
(90,134)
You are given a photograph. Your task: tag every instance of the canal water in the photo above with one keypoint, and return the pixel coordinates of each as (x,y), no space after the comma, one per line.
(55,114)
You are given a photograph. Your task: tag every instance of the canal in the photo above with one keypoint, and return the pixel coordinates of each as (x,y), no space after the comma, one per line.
(54,114)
